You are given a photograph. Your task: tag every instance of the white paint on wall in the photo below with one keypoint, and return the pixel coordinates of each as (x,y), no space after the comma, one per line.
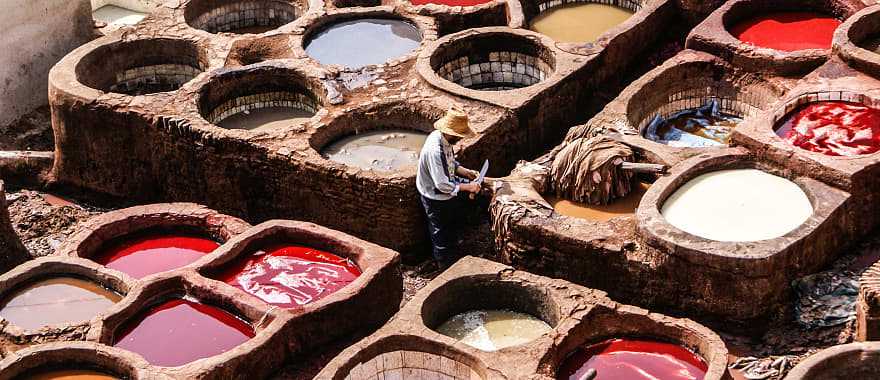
(38,34)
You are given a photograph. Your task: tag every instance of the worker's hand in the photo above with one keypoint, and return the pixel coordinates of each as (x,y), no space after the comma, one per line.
(470,174)
(470,187)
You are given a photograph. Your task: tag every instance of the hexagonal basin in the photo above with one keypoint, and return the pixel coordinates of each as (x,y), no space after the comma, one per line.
(493,62)
(288,275)
(737,205)
(56,300)
(787,31)
(361,42)
(600,213)
(242,16)
(580,21)
(833,128)
(153,251)
(636,359)
(181,330)
(488,314)
(391,150)
(69,374)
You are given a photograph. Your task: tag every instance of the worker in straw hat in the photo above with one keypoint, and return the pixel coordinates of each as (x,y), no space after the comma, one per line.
(441,181)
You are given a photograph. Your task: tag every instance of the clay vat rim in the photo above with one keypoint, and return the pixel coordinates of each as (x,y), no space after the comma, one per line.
(300,6)
(547,307)
(264,322)
(102,46)
(326,133)
(327,21)
(32,358)
(266,72)
(50,267)
(652,225)
(353,354)
(805,370)
(850,47)
(783,109)
(371,259)
(106,227)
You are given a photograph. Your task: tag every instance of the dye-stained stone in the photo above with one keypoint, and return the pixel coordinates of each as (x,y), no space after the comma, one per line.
(492,330)
(290,276)
(634,359)
(141,255)
(56,300)
(833,128)
(385,150)
(180,331)
(737,205)
(787,31)
(580,21)
(358,43)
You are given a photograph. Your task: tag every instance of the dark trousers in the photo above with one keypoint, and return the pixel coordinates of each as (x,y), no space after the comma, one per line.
(442,227)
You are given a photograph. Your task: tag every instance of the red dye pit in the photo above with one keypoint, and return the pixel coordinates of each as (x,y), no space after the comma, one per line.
(633,359)
(451,3)
(788,31)
(289,276)
(833,128)
(181,331)
(143,255)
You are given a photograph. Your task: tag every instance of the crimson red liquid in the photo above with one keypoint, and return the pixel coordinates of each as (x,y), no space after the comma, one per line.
(143,255)
(788,31)
(289,276)
(181,331)
(452,3)
(632,359)
(833,128)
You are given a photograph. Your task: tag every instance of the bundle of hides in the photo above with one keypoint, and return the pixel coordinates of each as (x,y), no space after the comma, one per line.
(588,170)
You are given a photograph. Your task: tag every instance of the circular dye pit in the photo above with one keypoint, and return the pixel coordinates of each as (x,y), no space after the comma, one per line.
(579,21)
(241,16)
(696,127)
(493,62)
(833,128)
(116,16)
(383,151)
(144,254)
(787,31)
(267,118)
(632,359)
(492,330)
(358,43)
(56,300)
(738,205)
(69,374)
(601,213)
(180,331)
(290,276)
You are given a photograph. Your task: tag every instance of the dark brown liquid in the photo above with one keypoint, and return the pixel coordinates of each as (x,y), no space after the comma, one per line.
(56,301)
(601,213)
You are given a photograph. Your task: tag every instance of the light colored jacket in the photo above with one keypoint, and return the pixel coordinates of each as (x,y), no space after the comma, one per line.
(436,178)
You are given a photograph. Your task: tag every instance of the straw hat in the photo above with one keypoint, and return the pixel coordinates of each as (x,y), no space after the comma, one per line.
(454,123)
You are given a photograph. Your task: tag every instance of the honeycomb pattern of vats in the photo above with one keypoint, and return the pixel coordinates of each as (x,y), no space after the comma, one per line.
(241,15)
(868,307)
(365,303)
(578,316)
(713,36)
(848,361)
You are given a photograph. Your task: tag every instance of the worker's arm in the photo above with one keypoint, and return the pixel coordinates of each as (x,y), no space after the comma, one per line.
(441,180)
(464,172)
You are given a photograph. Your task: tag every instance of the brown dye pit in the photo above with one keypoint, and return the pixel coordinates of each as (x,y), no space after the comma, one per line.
(56,301)
(601,213)
(384,151)
(68,374)
(579,22)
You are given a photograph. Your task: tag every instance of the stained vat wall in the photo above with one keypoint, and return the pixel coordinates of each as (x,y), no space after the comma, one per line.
(40,32)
